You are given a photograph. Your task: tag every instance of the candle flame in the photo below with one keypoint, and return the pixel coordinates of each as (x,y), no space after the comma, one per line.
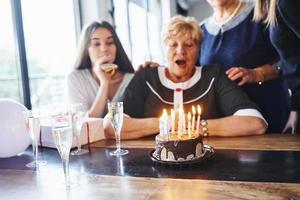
(181,109)
(165,114)
(193,110)
(199,110)
(172,112)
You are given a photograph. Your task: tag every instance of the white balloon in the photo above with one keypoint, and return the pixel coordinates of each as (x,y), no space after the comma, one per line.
(14,138)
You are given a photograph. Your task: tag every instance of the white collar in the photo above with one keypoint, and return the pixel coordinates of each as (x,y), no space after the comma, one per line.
(215,29)
(183,85)
(228,18)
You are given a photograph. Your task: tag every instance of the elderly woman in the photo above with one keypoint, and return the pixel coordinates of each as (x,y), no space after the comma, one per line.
(242,46)
(226,109)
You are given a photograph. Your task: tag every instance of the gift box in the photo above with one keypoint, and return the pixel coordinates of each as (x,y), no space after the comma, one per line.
(92,131)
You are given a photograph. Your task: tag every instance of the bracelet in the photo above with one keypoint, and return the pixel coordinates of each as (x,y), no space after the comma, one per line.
(277,68)
(204,127)
(261,75)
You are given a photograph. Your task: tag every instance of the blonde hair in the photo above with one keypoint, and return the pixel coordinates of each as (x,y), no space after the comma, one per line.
(265,10)
(179,25)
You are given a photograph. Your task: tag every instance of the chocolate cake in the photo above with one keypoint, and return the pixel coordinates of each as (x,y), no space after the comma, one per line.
(177,148)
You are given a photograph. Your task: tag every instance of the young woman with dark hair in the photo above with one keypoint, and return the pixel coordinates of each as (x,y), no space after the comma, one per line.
(90,83)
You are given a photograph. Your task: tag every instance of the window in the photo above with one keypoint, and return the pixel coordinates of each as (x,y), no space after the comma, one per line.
(9,75)
(141,21)
(44,47)
(139,31)
(49,31)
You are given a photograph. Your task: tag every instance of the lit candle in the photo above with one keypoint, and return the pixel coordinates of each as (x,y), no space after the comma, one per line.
(198,118)
(182,121)
(173,121)
(189,125)
(165,123)
(194,118)
(179,123)
(161,125)
(178,99)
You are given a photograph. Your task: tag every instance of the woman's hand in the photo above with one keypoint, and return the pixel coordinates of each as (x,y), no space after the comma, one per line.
(98,69)
(243,75)
(291,124)
(147,64)
(107,87)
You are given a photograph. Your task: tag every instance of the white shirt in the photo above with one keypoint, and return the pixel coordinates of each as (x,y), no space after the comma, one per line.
(83,88)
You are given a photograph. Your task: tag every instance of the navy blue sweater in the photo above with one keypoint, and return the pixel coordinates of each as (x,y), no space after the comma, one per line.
(245,43)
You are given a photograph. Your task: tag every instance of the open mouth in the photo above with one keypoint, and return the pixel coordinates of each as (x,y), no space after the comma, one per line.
(180,62)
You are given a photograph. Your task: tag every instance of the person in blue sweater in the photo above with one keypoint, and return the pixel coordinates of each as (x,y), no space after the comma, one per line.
(242,46)
(283,19)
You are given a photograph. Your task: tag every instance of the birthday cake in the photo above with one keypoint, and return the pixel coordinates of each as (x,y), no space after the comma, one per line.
(179,139)
(174,148)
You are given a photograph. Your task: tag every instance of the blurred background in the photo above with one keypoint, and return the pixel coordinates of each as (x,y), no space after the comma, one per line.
(38,39)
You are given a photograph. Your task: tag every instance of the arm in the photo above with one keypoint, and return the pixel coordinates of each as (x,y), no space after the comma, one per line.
(235,126)
(106,81)
(77,93)
(242,115)
(133,128)
(259,74)
(75,89)
(147,64)
(99,103)
(101,98)
(134,103)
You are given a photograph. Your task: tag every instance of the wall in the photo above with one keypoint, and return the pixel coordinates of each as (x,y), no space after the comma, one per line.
(92,10)
(168,9)
(98,10)
(200,10)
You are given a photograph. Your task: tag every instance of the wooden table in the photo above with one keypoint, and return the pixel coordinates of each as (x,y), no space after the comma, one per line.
(128,183)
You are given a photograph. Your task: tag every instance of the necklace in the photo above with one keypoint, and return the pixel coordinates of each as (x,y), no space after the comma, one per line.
(230,17)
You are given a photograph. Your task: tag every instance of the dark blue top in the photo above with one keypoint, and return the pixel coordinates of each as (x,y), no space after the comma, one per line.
(244,43)
(285,37)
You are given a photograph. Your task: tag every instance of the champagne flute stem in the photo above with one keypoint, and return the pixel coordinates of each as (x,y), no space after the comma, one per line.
(78,142)
(65,163)
(118,141)
(36,153)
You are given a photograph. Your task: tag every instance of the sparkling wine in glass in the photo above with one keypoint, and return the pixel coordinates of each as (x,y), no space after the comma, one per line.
(62,137)
(32,120)
(79,115)
(115,112)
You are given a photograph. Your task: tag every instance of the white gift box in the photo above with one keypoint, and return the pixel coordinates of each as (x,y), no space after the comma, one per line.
(92,131)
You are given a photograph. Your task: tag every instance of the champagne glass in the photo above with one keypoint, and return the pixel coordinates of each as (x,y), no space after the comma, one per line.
(115,112)
(62,137)
(32,120)
(79,115)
